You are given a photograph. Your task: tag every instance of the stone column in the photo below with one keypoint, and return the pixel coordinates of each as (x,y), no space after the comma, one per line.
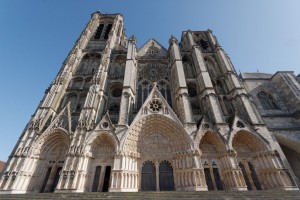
(129,82)
(233,174)
(180,88)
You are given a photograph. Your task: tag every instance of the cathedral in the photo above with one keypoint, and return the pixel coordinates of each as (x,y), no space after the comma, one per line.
(118,118)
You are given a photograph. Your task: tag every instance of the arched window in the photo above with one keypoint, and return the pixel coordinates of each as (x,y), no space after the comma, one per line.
(228,106)
(188,67)
(114,109)
(267,101)
(72,98)
(196,108)
(117,68)
(87,82)
(192,89)
(211,68)
(108,28)
(89,64)
(77,82)
(99,32)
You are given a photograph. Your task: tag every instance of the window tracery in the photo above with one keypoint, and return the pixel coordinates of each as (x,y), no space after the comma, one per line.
(89,64)
(117,69)
(114,109)
(147,75)
(267,101)
(188,67)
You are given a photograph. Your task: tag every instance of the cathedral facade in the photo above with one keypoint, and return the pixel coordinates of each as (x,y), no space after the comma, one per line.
(119,118)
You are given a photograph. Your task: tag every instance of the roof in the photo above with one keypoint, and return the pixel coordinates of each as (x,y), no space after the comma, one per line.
(255,75)
(2,165)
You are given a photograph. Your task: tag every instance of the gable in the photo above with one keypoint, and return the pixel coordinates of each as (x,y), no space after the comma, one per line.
(152,50)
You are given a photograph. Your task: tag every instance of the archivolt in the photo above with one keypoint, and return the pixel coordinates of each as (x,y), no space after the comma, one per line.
(215,140)
(99,140)
(51,140)
(252,142)
(177,137)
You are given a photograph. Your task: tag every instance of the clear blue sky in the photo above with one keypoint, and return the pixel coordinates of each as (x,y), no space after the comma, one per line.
(36,36)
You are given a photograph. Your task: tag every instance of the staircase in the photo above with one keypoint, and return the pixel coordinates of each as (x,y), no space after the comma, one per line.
(220,195)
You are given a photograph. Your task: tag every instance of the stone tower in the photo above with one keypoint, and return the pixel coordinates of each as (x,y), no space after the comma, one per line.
(118,118)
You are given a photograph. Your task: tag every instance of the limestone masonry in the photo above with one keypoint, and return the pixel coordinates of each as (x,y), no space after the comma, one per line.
(119,119)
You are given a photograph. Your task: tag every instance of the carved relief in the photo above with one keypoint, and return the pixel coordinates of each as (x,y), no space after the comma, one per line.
(154,72)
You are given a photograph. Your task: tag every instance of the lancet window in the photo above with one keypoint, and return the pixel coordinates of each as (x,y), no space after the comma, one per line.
(108,28)
(117,68)
(189,70)
(99,32)
(89,64)
(267,101)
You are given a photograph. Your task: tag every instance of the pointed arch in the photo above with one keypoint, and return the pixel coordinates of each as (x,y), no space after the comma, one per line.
(117,67)
(156,135)
(188,67)
(50,150)
(89,64)
(267,101)
(101,149)
(212,142)
(95,141)
(245,142)
(212,67)
(114,109)
(212,148)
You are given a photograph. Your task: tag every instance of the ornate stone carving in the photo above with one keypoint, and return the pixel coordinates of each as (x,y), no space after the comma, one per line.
(155,105)
(152,51)
(154,72)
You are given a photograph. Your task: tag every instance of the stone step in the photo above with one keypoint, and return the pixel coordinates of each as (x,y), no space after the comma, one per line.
(220,195)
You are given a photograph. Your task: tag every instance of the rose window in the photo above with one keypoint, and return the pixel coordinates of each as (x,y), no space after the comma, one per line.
(155,105)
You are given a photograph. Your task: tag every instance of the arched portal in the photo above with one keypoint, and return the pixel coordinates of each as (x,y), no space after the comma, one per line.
(248,147)
(51,151)
(102,149)
(157,138)
(212,148)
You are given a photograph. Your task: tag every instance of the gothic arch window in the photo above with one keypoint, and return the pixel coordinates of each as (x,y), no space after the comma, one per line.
(220,87)
(99,32)
(164,89)
(81,102)
(114,109)
(267,101)
(108,28)
(117,68)
(195,108)
(77,82)
(144,88)
(204,44)
(188,67)
(87,82)
(192,89)
(72,98)
(211,68)
(228,105)
(89,64)
(119,29)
